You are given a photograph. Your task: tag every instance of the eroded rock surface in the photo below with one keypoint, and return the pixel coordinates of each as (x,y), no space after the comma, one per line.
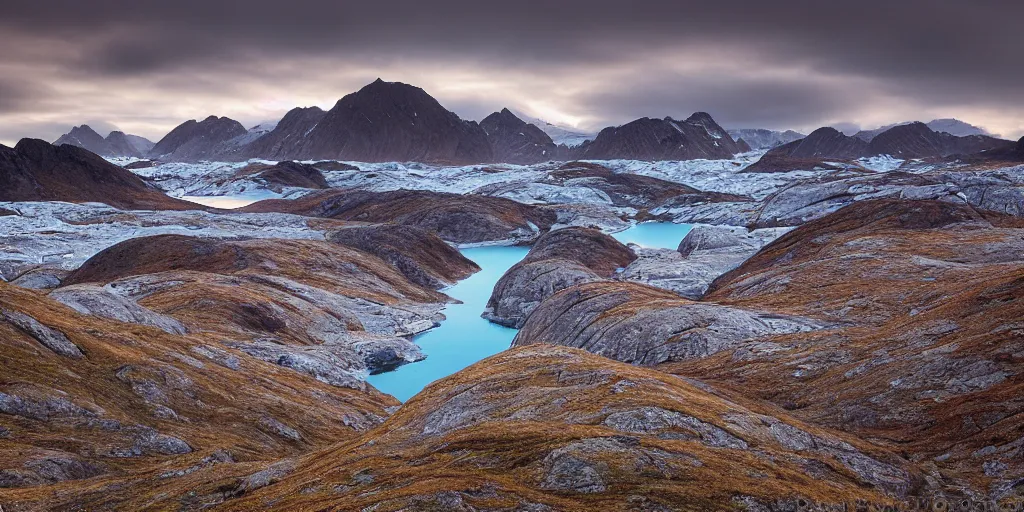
(552,428)
(560,259)
(648,326)
(705,253)
(924,300)
(321,308)
(133,410)
(462,219)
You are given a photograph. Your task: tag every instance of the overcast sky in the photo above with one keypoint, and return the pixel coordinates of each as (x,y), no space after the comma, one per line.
(774,64)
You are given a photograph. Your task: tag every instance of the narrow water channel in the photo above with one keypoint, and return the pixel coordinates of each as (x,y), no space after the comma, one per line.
(464,337)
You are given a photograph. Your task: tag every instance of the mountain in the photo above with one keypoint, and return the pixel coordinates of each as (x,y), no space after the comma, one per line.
(905,141)
(699,136)
(823,144)
(120,145)
(1017,151)
(826,143)
(956,127)
(514,141)
(35,170)
(392,121)
(256,132)
(86,138)
(760,138)
(141,144)
(1011,153)
(951,126)
(116,144)
(917,140)
(192,140)
(561,135)
(288,134)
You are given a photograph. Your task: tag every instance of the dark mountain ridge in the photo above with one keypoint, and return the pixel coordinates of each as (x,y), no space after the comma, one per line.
(197,140)
(116,144)
(699,136)
(516,141)
(35,170)
(908,141)
(392,121)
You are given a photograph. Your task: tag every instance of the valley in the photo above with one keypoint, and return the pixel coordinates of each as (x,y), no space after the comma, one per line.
(385,307)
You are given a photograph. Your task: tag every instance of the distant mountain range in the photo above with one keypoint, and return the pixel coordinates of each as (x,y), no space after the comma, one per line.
(826,146)
(392,121)
(760,138)
(116,144)
(561,135)
(951,126)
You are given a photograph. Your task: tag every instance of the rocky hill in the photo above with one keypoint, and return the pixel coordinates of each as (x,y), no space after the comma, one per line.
(36,170)
(550,428)
(282,175)
(558,260)
(132,402)
(1013,153)
(186,360)
(899,311)
(453,217)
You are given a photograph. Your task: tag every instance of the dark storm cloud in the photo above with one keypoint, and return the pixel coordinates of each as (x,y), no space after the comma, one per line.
(17,94)
(754,101)
(750,63)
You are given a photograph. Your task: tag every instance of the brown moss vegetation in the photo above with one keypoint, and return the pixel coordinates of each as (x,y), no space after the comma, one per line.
(111,408)
(493,435)
(926,299)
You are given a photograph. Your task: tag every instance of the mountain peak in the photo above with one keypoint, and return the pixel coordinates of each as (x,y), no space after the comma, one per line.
(393,121)
(516,141)
(700,117)
(699,136)
(193,140)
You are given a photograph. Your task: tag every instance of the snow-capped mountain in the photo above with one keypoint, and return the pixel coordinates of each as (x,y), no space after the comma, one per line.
(560,134)
(256,132)
(760,138)
(956,127)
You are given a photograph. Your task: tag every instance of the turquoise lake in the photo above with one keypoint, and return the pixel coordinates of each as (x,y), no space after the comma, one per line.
(659,235)
(464,337)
